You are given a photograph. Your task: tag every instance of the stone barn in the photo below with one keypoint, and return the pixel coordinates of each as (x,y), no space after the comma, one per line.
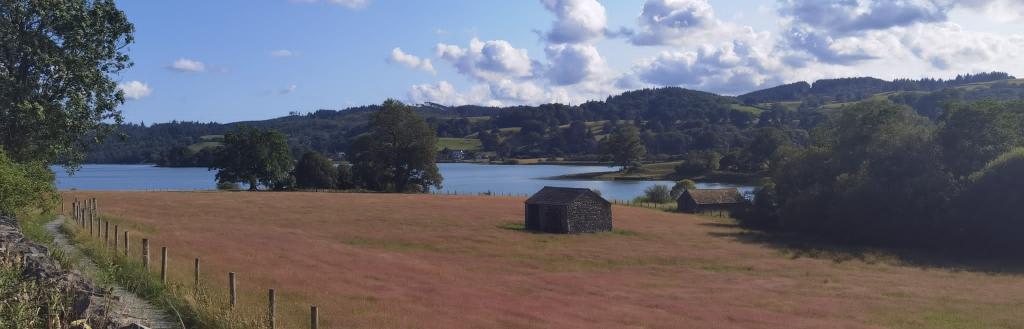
(568,210)
(710,200)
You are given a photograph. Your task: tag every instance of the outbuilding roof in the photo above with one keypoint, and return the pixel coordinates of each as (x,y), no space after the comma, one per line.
(715,196)
(552,195)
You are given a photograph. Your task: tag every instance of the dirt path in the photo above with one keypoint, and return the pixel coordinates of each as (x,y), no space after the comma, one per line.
(126,304)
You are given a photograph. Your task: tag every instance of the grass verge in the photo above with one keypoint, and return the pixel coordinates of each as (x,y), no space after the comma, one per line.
(25,303)
(194,306)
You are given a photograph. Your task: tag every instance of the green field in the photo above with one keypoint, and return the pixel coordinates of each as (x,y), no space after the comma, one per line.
(463,144)
(202,145)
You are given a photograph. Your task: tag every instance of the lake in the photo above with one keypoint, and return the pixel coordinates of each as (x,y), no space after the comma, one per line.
(462,178)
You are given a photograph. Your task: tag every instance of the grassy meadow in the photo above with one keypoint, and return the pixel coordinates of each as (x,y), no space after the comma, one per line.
(435,261)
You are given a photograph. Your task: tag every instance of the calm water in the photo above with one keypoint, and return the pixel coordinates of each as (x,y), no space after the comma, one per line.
(458,177)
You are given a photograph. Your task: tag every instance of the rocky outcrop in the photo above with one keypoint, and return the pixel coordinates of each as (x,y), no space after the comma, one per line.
(86,301)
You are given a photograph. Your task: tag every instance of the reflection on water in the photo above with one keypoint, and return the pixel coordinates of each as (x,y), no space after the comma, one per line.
(459,178)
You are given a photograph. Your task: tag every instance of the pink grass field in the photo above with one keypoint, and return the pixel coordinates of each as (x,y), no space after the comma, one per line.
(427,261)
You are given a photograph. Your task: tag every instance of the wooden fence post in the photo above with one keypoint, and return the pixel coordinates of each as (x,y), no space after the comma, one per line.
(115,239)
(163,265)
(106,233)
(270,309)
(231,287)
(145,254)
(126,243)
(90,225)
(314,317)
(197,274)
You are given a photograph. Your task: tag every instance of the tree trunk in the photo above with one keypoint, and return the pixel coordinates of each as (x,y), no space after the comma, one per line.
(252,185)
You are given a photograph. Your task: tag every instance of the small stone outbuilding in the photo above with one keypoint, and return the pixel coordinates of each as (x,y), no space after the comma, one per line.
(568,210)
(710,200)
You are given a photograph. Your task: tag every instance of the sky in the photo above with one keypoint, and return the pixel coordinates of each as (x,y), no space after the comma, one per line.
(235,60)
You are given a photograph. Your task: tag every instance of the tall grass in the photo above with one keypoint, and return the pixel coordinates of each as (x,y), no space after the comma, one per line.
(25,303)
(195,307)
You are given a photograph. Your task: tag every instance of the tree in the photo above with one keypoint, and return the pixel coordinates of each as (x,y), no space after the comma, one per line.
(625,147)
(344,176)
(255,157)
(975,134)
(59,58)
(657,194)
(398,153)
(681,186)
(767,146)
(698,163)
(987,213)
(314,170)
(873,175)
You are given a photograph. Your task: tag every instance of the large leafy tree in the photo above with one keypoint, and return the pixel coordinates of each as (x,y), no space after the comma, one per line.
(57,60)
(988,212)
(398,153)
(872,175)
(314,170)
(625,147)
(972,135)
(255,157)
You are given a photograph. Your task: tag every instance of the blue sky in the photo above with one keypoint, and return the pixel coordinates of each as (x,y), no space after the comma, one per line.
(232,60)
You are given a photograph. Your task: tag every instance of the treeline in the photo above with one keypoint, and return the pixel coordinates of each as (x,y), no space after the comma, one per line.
(879,173)
(854,89)
(707,132)
(671,122)
(396,154)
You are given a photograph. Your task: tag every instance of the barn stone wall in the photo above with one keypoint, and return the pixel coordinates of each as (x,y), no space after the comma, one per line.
(589,214)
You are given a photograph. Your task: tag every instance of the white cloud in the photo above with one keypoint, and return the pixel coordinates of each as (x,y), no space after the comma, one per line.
(577,20)
(749,62)
(571,64)
(411,61)
(517,92)
(671,21)
(1003,11)
(844,17)
(492,60)
(445,93)
(698,50)
(288,90)
(134,90)
(187,65)
(282,53)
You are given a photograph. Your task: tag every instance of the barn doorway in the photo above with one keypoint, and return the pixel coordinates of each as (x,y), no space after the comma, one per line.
(532,217)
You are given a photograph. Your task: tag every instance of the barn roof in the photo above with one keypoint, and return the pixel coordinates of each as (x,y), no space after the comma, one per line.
(560,195)
(716,196)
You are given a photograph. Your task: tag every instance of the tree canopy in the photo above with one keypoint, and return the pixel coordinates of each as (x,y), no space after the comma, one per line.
(314,170)
(255,157)
(398,153)
(625,147)
(56,70)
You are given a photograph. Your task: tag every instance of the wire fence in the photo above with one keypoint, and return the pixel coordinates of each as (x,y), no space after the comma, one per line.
(86,216)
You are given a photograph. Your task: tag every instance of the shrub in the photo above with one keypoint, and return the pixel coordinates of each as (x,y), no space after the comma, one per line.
(658,194)
(228,186)
(25,187)
(763,212)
